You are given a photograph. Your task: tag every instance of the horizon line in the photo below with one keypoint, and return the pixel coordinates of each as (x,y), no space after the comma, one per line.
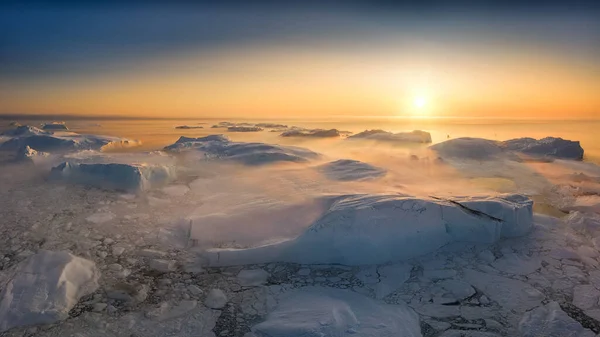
(38,116)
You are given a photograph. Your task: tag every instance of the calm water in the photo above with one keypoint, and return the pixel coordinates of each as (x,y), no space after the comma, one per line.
(157,133)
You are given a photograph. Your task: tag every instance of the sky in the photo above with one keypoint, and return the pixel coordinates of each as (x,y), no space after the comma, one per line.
(273,60)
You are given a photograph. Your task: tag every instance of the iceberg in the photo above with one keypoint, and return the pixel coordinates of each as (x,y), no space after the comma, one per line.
(45,287)
(546,147)
(47,141)
(55,126)
(485,149)
(319,311)
(271,126)
(468,148)
(123,177)
(376,229)
(189,127)
(315,133)
(238,128)
(220,147)
(416,136)
(346,170)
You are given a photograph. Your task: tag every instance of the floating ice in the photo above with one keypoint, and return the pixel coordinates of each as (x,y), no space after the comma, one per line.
(316,311)
(482,149)
(551,321)
(189,127)
(45,288)
(123,177)
(546,147)
(346,169)
(244,129)
(372,229)
(468,148)
(220,147)
(58,141)
(55,126)
(416,136)
(316,133)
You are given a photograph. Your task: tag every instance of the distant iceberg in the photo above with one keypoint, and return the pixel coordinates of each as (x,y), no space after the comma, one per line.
(220,147)
(239,128)
(546,147)
(416,136)
(374,229)
(55,126)
(122,177)
(189,127)
(346,170)
(482,149)
(315,133)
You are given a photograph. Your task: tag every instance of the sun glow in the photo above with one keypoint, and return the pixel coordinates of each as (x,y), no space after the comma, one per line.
(419,102)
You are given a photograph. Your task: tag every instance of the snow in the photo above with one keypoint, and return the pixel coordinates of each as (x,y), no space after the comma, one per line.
(24,131)
(347,169)
(391,228)
(551,321)
(317,311)
(28,153)
(220,147)
(46,286)
(315,133)
(416,136)
(123,177)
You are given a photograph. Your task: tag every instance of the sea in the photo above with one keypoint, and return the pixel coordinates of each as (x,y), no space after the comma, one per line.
(154,134)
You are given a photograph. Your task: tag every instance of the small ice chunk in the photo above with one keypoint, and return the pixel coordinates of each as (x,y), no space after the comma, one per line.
(216,299)
(252,277)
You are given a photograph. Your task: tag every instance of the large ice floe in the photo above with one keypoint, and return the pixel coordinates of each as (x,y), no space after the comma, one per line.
(347,169)
(45,287)
(58,141)
(416,136)
(221,147)
(320,311)
(390,228)
(483,149)
(117,176)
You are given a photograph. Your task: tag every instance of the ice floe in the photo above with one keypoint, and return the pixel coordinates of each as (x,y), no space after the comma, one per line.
(220,147)
(45,287)
(318,311)
(124,177)
(416,136)
(391,228)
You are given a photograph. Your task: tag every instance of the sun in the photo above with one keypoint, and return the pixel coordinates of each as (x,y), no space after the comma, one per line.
(419,102)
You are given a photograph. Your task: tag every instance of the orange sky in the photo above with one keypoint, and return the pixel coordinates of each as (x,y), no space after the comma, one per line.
(472,76)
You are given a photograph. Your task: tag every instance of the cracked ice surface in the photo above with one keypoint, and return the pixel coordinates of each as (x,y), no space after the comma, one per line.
(154,281)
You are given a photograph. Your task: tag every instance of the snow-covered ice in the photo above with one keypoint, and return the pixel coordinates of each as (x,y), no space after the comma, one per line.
(220,147)
(314,133)
(483,149)
(416,136)
(124,177)
(391,228)
(45,287)
(317,311)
